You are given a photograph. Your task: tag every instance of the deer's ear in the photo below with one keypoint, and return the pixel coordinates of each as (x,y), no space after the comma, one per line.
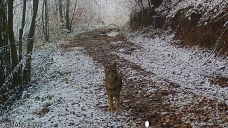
(114,64)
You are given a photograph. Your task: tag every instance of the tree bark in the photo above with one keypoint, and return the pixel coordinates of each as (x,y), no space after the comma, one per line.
(5,53)
(6,48)
(1,46)
(1,75)
(61,10)
(45,20)
(67,17)
(75,6)
(20,38)
(13,48)
(1,24)
(21,30)
(28,68)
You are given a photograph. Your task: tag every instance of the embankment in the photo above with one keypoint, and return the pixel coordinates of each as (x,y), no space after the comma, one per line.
(193,25)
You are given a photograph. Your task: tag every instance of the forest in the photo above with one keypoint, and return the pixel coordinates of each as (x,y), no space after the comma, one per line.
(172,56)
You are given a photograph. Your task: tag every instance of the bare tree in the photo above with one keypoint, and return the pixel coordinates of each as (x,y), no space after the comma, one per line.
(45,20)
(20,38)
(75,6)
(27,71)
(4,46)
(61,10)
(13,48)
(22,29)
(67,17)
(1,45)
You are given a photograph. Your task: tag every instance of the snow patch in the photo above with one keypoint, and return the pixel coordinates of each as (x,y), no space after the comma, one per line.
(112,34)
(73,95)
(192,68)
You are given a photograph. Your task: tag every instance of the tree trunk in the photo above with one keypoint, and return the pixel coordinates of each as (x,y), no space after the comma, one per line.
(13,48)
(75,6)
(5,53)
(1,75)
(21,30)
(1,46)
(45,20)
(61,10)
(2,91)
(20,38)
(6,49)
(68,26)
(27,71)
(1,24)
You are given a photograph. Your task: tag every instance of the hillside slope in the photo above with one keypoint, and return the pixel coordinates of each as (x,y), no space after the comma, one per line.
(203,23)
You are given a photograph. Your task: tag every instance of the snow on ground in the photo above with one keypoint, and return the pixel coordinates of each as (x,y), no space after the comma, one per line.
(192,68)
(71,90)
(209,9)
(68,96)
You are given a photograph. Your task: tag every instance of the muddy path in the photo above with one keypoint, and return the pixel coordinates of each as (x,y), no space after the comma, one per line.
(145,96)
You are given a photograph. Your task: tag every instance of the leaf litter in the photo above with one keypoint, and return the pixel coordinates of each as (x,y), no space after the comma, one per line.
(164,84)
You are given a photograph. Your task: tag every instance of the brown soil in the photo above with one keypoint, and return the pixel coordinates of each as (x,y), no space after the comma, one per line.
(221,81)
(156,107)
(212,35)
(191,30)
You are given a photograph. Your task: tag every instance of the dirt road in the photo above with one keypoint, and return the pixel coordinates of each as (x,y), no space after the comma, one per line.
(164,84)
(147,95)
